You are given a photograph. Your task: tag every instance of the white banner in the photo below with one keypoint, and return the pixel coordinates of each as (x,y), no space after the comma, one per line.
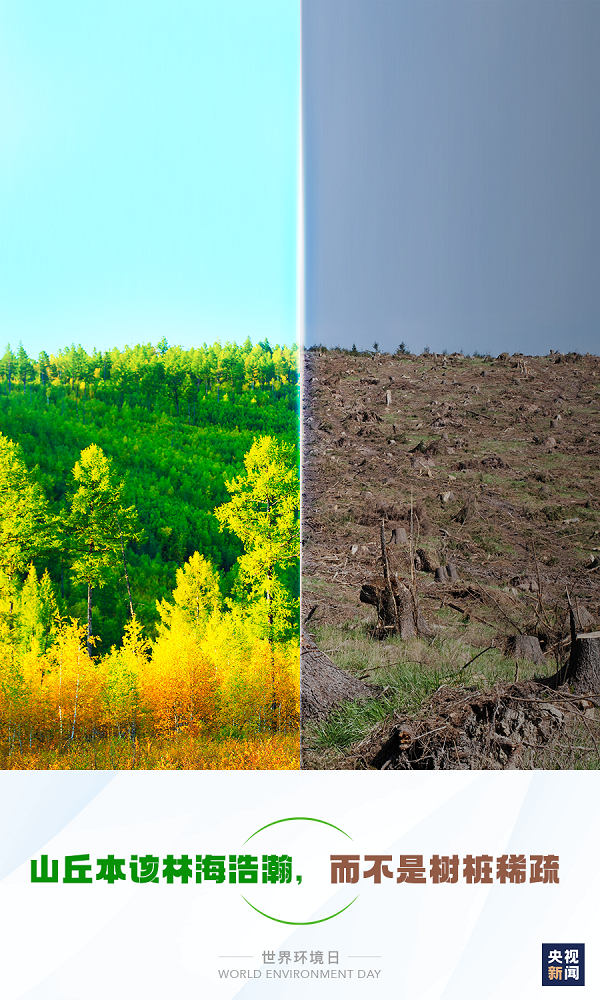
(516,850)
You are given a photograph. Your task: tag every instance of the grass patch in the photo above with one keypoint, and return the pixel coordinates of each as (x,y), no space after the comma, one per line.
(347,725)
(408,672)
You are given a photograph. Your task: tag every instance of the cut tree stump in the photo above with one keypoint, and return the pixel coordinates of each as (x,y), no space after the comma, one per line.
(398,610)
(468,510)
(583,672)
(525,647)
(428,565)
(323,685)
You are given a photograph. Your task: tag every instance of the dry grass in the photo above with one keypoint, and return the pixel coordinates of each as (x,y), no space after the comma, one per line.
(407,671)
(411,673)
(280,752)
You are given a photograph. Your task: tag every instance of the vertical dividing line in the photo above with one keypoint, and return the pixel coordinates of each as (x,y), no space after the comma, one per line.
(300,317)
(300,237)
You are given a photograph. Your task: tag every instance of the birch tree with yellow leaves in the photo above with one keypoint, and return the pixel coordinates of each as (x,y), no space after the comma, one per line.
(264,513)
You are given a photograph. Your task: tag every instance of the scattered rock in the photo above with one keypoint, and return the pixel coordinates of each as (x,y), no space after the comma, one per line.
(422,465)
(528,584)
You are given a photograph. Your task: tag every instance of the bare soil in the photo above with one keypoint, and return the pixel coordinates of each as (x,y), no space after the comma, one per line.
(484,470)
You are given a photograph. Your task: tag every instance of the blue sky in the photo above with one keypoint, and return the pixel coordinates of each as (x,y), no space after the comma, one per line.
(148,171)
(452,165)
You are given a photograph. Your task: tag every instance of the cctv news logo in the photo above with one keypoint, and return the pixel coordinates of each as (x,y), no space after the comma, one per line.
(563,965)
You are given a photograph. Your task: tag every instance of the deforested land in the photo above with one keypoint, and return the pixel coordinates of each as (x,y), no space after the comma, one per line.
(149,564)
(451,561)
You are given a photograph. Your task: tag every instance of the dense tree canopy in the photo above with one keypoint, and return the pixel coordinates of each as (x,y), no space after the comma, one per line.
(111,469)
(24,518)
(264,513)
(112,466)
(98,525)
(175,425)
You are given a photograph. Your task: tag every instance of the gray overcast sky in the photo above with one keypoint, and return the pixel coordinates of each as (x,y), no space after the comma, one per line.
(452,171)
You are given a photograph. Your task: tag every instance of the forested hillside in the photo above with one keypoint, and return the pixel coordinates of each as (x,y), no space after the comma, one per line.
(149,558)
(175,423)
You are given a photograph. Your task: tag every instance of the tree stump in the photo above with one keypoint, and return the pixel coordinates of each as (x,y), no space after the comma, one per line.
(452,572)
(324,685)
(526,647)
(468,510)
(398,610)
(427,563)
(441,575)
(583,672)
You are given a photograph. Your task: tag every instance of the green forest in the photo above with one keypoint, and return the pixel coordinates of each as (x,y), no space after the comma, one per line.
(172,454)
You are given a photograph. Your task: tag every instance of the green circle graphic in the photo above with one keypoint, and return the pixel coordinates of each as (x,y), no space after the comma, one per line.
(300,923)
(294,819)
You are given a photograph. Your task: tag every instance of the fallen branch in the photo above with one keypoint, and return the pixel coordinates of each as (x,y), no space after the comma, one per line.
(485,415)
(475,657)
(456,607)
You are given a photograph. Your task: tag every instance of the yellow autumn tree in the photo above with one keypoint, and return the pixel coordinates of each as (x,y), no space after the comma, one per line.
(37,622)
(122,672)
(263,512)
(181,684)
(75,683)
